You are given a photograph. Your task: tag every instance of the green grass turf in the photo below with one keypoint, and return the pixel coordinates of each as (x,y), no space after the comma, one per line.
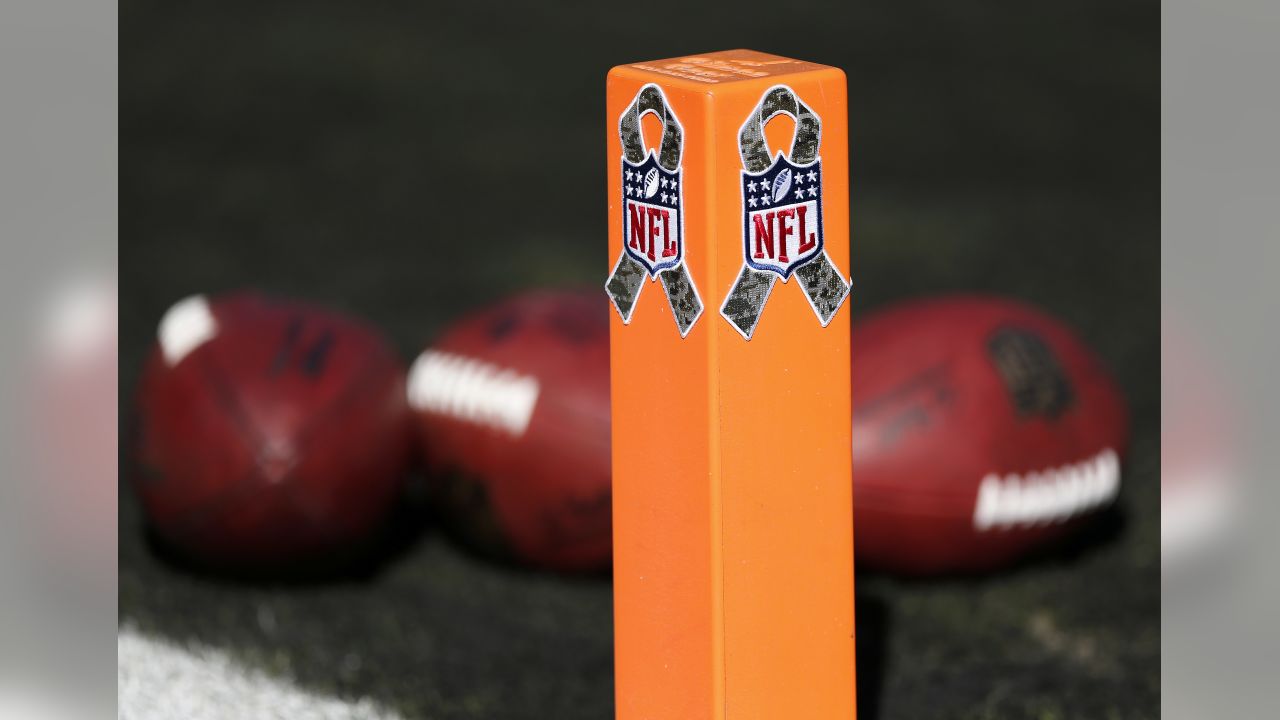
(323,149)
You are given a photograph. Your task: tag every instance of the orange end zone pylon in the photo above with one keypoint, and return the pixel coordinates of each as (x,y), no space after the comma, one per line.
(732,485)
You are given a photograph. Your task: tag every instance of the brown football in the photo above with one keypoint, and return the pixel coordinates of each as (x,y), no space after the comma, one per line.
(268,431)
(982,429)
(512,406)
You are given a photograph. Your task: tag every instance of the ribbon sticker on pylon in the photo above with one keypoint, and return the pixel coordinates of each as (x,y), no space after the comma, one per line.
(652,214)
(782,216)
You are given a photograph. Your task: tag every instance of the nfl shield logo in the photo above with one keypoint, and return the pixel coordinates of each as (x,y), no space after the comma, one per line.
(782,216)
(652,223)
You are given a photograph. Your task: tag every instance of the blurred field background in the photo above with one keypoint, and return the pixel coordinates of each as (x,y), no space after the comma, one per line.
(395,160)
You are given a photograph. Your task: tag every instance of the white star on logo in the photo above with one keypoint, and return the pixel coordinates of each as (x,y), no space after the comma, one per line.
(799,193)
(765,199)
(751,186)
(664,197)
(629,178)
(673,184)
(630,190)
(813,191)
(663,182)
(751,201)
(799,177)
(813,177)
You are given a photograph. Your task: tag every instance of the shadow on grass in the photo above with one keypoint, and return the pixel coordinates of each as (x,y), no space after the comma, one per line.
(408,521)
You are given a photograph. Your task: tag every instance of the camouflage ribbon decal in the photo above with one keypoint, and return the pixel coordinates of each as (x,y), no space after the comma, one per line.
(652,215)
(782,217)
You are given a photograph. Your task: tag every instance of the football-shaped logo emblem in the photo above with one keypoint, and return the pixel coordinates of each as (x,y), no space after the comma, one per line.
(651,183)
(781,184)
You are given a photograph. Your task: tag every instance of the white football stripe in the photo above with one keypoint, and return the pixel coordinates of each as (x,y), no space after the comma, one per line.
(81,320)
(472,391)
(1197,506)
(186,326)
(1049,496)
(159,680)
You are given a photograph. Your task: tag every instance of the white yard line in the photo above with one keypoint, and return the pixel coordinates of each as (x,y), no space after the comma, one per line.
(160,680)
